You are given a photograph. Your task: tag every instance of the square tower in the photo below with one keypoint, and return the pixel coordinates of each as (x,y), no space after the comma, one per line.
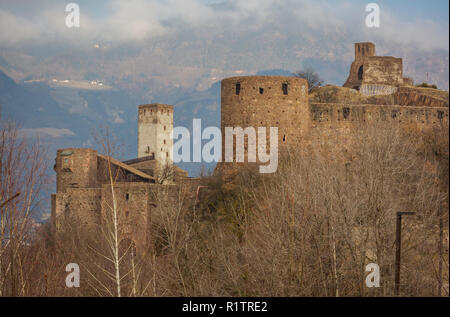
(364,50)
(155,126)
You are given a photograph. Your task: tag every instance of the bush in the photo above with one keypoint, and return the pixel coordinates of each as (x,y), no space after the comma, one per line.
(425,85)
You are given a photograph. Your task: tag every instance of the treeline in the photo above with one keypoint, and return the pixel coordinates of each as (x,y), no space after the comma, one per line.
(308,230)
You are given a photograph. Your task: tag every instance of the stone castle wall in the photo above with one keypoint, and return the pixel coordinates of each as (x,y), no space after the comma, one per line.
(383,70)
(75,168)
(136,204)
(266,101)
(253,101)
(338,114)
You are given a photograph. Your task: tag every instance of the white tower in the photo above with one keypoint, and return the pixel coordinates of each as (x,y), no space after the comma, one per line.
(155,125)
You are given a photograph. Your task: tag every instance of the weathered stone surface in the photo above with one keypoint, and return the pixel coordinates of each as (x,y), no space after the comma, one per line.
(368,69)
(408,96)
(155,126)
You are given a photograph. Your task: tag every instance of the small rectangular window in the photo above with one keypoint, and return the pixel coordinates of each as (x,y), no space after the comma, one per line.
(285,89)
(238,88)
(127,196)
(261,90)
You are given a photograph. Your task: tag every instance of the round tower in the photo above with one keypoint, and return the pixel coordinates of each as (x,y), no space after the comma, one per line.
(266,101)
(75,168)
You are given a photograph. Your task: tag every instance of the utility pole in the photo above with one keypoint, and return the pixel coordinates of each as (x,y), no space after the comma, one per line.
(441,247)
(398,246)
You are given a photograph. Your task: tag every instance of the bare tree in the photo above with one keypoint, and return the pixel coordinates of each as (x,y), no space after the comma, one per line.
(166,174)
(313,79)
(22,179)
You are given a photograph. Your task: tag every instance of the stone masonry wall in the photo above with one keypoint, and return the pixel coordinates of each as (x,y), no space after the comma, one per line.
(75,168)
(266,101)
(383,70)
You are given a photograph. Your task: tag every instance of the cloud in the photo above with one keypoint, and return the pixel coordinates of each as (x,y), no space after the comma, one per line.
(46,132)
(45,216)
(116,117)
(425,34)
(136,20)
(227,34)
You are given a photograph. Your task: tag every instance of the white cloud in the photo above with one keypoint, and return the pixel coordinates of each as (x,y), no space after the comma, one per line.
(116,117)
(425,34)
(136,20)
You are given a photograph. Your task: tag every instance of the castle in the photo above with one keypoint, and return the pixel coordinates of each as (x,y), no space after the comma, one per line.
(83,183)
(372,74)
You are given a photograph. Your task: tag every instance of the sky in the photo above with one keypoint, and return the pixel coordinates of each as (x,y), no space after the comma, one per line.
(421,23)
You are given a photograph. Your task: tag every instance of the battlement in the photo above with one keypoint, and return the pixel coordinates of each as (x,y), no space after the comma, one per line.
(338,114)
(264,87)
(364,50)
(155,108)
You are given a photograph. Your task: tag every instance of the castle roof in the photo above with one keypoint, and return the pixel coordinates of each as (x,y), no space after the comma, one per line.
(126,167)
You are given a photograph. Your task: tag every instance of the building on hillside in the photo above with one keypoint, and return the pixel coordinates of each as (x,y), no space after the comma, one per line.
(374,75)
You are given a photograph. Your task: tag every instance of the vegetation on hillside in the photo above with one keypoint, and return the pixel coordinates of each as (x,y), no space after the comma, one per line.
(308,230)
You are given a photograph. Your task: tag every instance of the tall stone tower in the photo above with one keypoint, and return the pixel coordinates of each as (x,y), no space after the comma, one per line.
(364,50)
(264,101)
(155,126)
(374,75)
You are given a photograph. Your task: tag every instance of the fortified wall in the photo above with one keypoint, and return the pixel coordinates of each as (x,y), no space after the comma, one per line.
(83,175)
(282,102)
(84,181)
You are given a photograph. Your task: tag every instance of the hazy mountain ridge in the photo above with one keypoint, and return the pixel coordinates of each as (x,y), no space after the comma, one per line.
(195,58)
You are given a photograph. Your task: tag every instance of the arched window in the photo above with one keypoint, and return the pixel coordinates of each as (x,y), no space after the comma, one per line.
(360,73)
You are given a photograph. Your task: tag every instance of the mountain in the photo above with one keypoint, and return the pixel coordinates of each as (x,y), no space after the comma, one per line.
(72,117)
